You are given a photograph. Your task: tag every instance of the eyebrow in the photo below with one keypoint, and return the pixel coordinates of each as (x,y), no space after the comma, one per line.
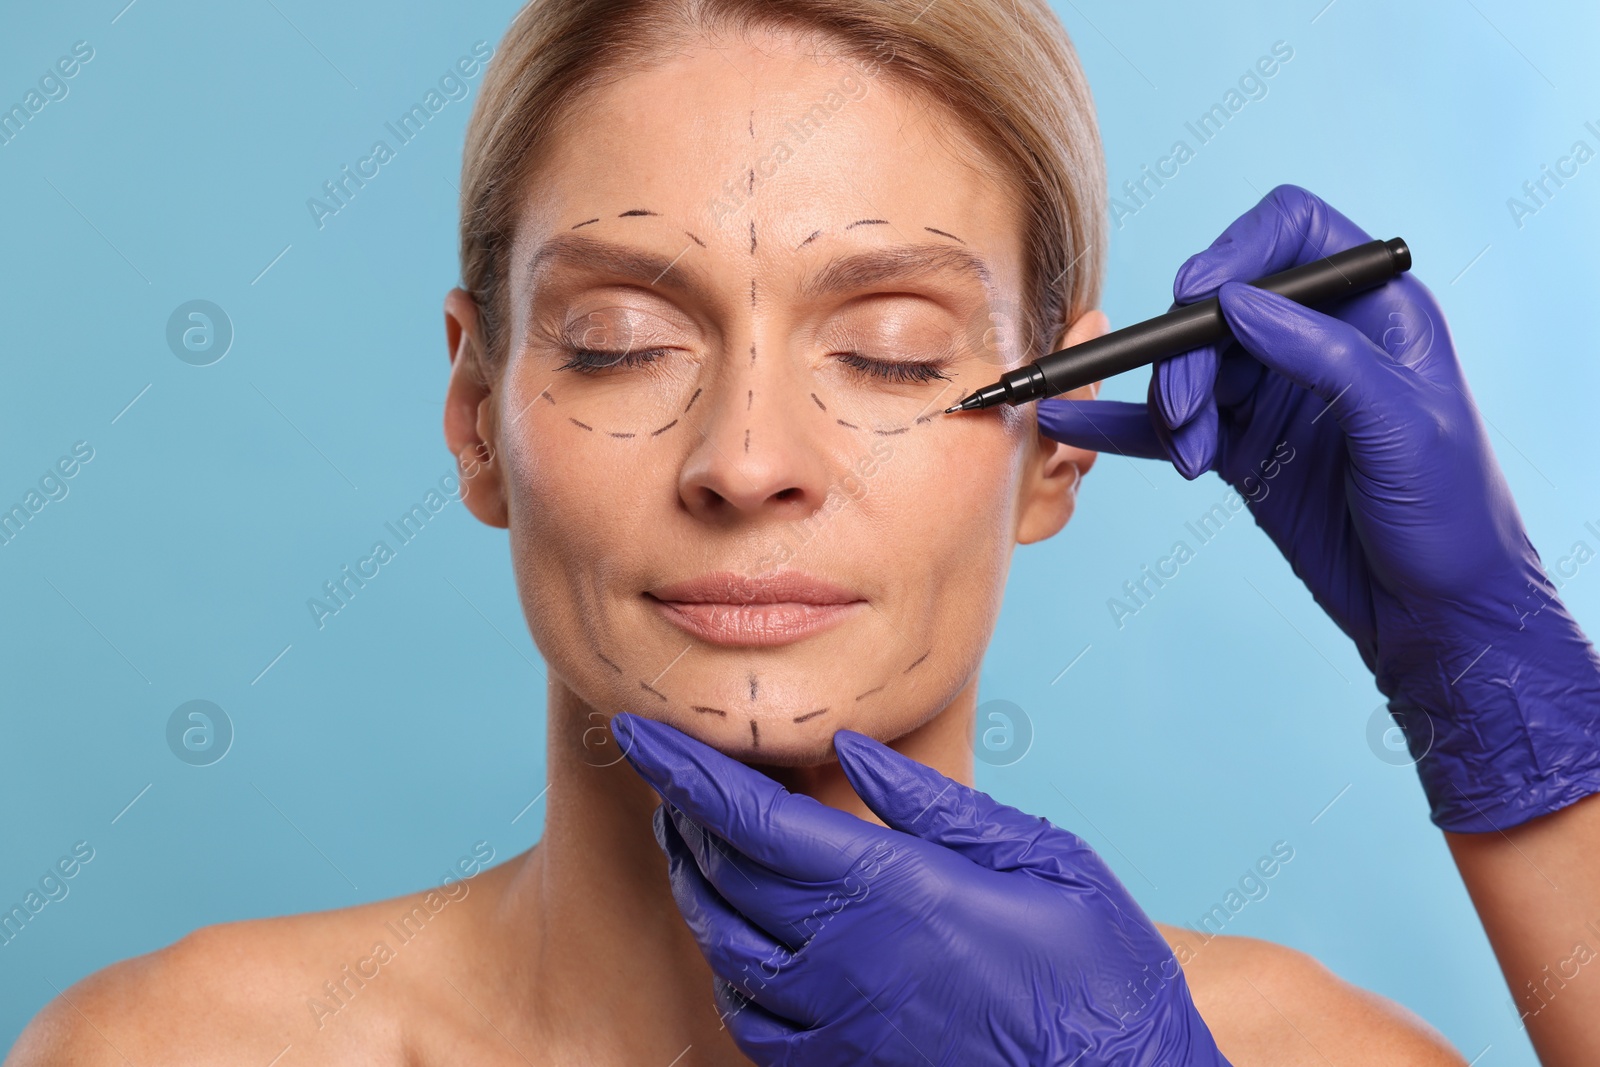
(848,273)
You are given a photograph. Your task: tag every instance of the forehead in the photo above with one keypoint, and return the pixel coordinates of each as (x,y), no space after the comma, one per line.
(778,136)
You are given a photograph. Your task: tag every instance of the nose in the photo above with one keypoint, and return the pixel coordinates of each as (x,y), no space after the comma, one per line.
(758,454)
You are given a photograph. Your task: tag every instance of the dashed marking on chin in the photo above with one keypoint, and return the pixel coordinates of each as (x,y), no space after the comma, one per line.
(646,686)
(869,692)
(702,709)
(810,715)
(608,662)
(917,661)
(752,687)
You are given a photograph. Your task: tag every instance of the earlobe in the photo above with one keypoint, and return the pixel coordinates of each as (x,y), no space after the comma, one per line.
(1049,492)
(469,413)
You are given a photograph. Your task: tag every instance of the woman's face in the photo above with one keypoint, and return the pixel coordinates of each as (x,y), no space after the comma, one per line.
(743,290)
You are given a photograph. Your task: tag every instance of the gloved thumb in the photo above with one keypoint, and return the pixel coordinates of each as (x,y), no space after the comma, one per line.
(918,800)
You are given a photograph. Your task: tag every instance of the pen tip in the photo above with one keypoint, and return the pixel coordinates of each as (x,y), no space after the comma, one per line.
(953,407)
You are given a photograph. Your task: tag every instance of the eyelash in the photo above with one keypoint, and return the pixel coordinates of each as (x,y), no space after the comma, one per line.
(593,360)
(894,370)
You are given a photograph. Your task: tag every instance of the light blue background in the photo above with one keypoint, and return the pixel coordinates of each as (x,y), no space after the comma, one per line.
(375,752)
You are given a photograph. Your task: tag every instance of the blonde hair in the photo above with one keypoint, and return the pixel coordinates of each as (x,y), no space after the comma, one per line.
(1006,68)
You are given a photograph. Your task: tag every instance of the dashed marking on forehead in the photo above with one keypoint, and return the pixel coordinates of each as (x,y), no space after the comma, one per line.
(867,222)
(695,239)
(635,212)
(941,233)
(586,222)
(808,240)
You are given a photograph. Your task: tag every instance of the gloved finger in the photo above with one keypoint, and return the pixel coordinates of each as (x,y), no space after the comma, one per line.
(761,1035)
(791,911)
(1181,385)
(790,833)
(1288,227)
(737,950)
(1193,444)
(918,800)
(1328,356)
(1114,426)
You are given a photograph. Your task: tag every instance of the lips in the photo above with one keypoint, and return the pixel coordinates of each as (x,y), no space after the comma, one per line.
(735,609)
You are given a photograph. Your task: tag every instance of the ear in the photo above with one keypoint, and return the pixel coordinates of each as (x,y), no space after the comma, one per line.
(469,414)
(1050,480)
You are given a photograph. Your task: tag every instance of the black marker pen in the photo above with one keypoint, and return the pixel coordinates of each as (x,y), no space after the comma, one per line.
(1366,266)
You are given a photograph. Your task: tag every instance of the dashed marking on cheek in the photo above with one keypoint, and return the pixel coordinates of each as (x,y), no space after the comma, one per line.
(702,709)
(614,433)
(752,235)
(810,715)
(635,212)
(819,403)
(608,662)
(692,399)
(747,439)
(941,233)
(750,398)
(891,433)
(751,189)
(808,240)
(752,292)
(924,418)
(869,692)
(752,123)
(917,661)
(546,395)
(665,428)
(849,425)
(867,222)
(649,689)
(755,735)
(693,238)
(575,422)
(752,353)
(585,222)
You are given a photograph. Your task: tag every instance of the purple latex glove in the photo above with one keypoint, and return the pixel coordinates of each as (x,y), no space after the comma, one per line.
(1351,434)
(967,933)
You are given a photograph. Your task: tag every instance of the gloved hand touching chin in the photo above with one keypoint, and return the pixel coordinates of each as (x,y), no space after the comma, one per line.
(1352,435)
(982,934)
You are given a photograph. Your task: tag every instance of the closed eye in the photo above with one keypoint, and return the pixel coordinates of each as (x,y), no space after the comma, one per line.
(895,370)
(594,360)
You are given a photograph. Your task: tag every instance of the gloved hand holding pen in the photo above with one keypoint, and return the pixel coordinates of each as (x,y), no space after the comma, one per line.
(1393,511)
(983,935)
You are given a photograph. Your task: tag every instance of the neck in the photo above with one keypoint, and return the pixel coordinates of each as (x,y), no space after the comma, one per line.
(607,940)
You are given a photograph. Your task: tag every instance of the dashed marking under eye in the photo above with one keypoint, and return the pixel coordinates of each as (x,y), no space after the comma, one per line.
(692,399)
(586,222)
(891,433)
(648,689)
(941,233)
(665,428)
(634,212)
(851,425)
(708,711)
(810,715)
(867,222)
(575,422)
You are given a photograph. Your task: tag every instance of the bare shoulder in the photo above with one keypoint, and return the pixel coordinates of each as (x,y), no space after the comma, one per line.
(322,983)
(1273,1005)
